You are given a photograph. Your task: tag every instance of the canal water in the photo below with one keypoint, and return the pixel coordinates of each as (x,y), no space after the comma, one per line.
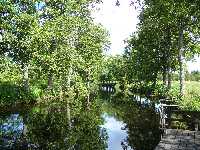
(116,132)
(107,126)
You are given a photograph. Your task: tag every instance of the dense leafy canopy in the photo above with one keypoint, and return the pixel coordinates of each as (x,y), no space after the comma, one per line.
(167,35)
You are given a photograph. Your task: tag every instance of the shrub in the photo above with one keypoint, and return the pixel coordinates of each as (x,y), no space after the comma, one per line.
(12,93)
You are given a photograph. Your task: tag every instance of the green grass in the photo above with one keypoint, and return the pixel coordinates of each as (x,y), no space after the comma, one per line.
(191,99)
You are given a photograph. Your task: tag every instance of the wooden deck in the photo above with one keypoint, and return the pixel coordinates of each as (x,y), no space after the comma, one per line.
(179,140)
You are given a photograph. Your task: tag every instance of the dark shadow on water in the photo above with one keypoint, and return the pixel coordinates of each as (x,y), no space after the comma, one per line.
(42,128)
(141,122)
(115,124)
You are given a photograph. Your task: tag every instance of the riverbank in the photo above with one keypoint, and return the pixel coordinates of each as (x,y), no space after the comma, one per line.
(98,128)
(191,99)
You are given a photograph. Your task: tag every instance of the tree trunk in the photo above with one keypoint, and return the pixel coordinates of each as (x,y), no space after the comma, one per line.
(169,79)
(168,39)
(68,111)
(155,80)
(181,62)
(88,87)
(68,97)
(50,81)
(63,96)
(165,77)
(88,96)
(25,77)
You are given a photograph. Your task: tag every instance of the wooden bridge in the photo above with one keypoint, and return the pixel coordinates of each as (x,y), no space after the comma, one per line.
(108,86)
(178,139)
(168,109)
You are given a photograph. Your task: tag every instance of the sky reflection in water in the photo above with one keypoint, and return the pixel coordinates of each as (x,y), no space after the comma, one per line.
(113,127)
(115,133)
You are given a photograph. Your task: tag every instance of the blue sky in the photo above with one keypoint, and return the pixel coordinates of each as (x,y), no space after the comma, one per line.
(121,22)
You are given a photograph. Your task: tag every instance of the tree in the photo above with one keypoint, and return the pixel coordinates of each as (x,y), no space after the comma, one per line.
(19,20)
(160,31)
(68,46)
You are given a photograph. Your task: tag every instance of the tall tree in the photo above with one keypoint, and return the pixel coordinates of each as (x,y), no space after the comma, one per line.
(19,19)
(164,25)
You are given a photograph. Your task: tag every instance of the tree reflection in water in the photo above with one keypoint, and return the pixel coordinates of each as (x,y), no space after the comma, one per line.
(47,128)
(142,124)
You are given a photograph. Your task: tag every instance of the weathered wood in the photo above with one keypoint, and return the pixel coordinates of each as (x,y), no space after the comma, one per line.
(179,140)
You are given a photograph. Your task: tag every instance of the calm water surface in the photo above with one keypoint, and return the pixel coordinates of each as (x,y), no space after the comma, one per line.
(125,126)
(116,132)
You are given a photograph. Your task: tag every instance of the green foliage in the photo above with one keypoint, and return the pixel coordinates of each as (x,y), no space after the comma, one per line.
(9,71)
(160,91)
(190,103)
(193,76)
(191,100)
(57,49)
(11,93)
(174,91)
(114,68)
(165,37)
(36,92)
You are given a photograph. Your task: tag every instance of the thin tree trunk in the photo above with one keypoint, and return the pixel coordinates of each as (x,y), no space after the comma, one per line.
(25,77)
(67,100)
(155,80)
(68,113)
(181,61)
(50,81)
(168,39)
(63,96)
(88,87)
(169,79)
(88,96)
(165,77)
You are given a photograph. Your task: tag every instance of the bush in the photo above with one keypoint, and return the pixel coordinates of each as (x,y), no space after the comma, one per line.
(160,91)
(191,100)
(174,92)
(36,92)
(11,93)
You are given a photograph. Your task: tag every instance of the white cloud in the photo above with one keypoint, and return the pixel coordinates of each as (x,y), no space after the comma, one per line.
(194,65)
(119,21)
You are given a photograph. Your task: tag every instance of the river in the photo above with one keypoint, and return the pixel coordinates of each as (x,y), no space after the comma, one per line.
(111,126)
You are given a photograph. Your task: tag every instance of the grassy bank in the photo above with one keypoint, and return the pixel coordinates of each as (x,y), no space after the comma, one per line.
(191,99)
